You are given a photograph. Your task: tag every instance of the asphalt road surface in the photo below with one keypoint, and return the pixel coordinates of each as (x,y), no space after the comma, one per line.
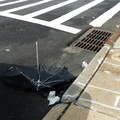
(54,24)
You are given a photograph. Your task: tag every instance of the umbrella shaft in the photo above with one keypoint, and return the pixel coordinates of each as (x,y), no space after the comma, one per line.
(37,56)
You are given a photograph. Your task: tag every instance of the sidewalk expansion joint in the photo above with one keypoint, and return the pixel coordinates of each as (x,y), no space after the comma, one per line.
(83,106)
(63,112)
(94,110)
(107,114)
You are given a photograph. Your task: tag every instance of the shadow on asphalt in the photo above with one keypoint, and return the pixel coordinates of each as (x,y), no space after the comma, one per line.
(21,104)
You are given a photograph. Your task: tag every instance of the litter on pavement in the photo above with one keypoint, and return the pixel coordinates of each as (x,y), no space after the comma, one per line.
(7,50)
(117,26)
(84,64)
(52,98)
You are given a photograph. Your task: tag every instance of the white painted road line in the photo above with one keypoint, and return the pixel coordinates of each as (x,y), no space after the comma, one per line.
(117,100)
(76,12)
(114,65)
(57,23)
(98,22)
(2,0)
(40,12)
(98,103)
(96,87)
(10,3)
(27,6)
(42,22)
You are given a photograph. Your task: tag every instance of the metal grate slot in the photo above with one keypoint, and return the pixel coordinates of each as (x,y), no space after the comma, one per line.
(93,40)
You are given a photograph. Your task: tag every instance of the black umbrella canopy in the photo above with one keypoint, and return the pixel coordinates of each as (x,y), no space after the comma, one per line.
(47,78)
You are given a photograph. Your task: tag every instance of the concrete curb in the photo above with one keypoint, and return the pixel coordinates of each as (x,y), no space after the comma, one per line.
(84,78)
(78,86)
(81,82)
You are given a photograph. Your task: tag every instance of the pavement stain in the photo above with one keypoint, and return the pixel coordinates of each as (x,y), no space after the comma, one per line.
(71,50)
(5,25)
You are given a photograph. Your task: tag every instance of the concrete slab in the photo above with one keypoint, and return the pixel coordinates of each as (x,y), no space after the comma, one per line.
(55,112)
(108,77)
(104,88)
(113,57)
(117,44)
(101,101)
(78,113)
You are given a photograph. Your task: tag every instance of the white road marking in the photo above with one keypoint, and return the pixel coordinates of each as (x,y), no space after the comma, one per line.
(114,65)
(76,12)
(117,101)
(56,23)
(108,72)
(10,3)
(98,22)
(42,22)
(40,12)
(98,103)
(2,0)
(27,6)
(100,88)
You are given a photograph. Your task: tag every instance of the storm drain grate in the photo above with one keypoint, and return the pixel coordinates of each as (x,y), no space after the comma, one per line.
(93,40)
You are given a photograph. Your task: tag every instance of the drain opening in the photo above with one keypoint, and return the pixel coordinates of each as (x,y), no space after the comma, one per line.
(93,40)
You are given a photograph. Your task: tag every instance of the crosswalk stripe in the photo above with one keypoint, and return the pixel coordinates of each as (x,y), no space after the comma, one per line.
(98,22)
(50,8)
(76,12)
(57,23)
(42,22)
(27,6)
(2,0)
(10,3)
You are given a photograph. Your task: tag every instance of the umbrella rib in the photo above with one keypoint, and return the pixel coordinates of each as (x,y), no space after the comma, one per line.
(26,76)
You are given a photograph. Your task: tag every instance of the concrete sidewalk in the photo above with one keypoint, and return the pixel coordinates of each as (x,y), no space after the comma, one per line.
(95,94)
